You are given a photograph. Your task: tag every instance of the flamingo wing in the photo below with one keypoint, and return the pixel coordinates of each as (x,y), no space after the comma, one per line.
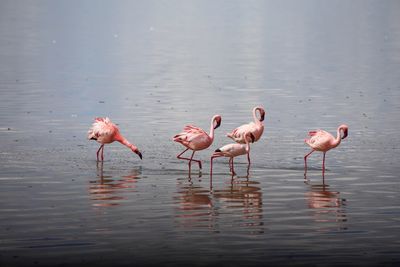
(193,129)
(238,134)
(319,139)
(193,137)
(102,128)
(189,132)
(232,150)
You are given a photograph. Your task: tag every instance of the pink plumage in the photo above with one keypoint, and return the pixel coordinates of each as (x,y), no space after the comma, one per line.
(233,150)
(195,139)
(323,141)
(105,132)
(256,127)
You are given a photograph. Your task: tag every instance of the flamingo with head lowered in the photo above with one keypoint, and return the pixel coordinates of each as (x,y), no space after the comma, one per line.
(323,141)
(233,150)
(105,132)
(195,139)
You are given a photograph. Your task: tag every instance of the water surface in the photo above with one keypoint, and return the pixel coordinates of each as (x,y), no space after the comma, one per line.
(154,66)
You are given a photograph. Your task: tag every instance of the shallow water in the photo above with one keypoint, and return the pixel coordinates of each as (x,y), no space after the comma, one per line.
(153,67)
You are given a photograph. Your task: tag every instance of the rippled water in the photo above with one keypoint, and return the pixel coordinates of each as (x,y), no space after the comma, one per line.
(153,67)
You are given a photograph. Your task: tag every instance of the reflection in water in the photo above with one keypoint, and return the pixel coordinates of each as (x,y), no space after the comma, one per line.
(243,197)
(194,204)
(107,191)
(328,207)
(238,205)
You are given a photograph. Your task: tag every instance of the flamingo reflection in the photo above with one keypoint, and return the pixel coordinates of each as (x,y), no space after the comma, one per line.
(194,204)
(244,197)
(108,190)
(328,207)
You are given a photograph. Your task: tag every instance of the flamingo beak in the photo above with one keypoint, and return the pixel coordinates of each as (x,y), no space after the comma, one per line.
(218,124)
(262,116)
(139,154)
(345,133)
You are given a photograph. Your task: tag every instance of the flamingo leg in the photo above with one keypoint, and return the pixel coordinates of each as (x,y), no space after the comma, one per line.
(100,171)
(323,166)
(99,151)
(195,160)
(211,182)
(212,158)
(211,168)
(190,159)
(179,156)
(102,154)
(305,162)
(249,163)
(232,168)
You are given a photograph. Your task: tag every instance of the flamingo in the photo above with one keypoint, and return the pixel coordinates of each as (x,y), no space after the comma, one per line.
(105,132)
(256,128)
(233,150)
(323,141)
(195,138)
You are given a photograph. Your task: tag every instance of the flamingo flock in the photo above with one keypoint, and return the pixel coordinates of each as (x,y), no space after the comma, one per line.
(195,139)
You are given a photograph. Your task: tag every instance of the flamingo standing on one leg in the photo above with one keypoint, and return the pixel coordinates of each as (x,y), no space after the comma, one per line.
(196,139)
(106,132)
(256,128)
(323,141)
(233,150)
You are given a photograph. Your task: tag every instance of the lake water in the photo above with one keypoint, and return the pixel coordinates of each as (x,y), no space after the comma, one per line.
(154,66)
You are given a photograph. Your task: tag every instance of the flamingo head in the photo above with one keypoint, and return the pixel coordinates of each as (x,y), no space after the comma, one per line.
(217,121)
(262,113)
(136,151)
(345,130)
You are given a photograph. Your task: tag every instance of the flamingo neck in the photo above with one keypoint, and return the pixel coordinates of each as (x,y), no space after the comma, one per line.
(212,130)
(256,120)
(255,115)
(123,140)
(338,138)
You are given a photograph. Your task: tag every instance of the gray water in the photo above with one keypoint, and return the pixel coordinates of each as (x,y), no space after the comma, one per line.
(155,66)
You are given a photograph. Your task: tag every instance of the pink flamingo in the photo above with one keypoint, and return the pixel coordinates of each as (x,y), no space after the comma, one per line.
(323,141)
(106,132)
(196,139)
(233,150)
(256,128)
